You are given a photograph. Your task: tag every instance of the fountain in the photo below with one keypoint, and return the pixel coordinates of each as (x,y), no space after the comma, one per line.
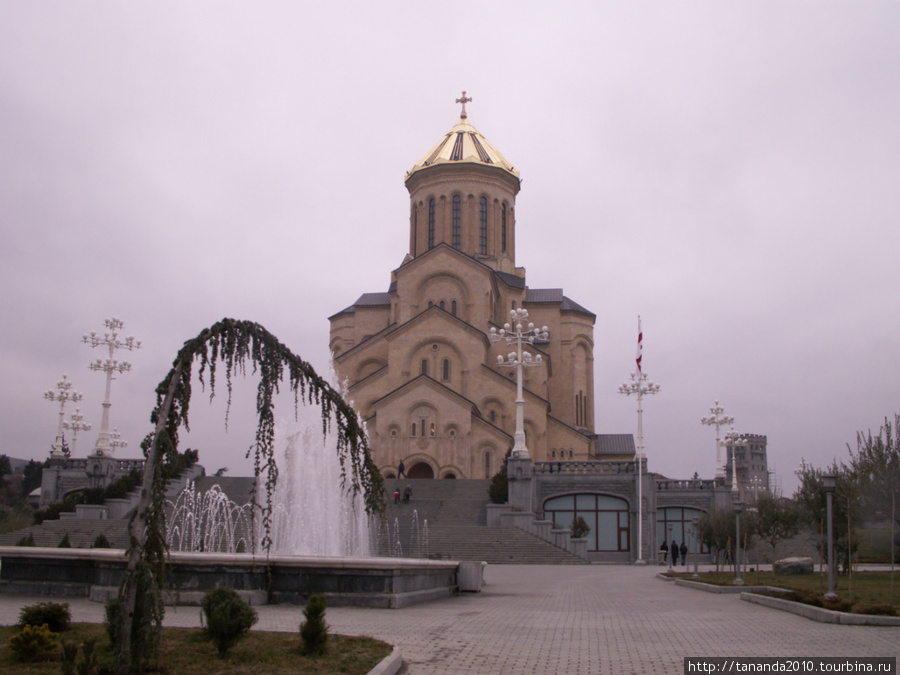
(322,542)
(311,513)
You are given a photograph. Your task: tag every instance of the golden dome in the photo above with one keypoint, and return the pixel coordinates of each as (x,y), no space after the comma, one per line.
(464,143)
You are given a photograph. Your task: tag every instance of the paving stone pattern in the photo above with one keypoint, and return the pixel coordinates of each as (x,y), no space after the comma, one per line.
(572,619)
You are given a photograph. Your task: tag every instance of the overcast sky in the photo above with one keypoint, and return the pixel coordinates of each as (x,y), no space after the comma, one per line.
(728,171)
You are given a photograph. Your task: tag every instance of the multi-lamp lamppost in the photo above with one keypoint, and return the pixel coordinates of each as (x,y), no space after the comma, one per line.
(717,418)
(111,341)
(517,333)
(62,395)
(75,424)
(734,440)
(639,386)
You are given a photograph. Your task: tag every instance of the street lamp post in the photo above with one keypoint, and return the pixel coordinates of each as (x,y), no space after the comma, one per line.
(111,341)
(738,508)
(696,523)
(62,395)
(733,440)
(718,419)
(75,424)
(516,333)
(639,386)
(828,483)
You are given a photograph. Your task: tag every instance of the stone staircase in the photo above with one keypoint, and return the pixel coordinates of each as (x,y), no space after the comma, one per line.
(456,524)
(82,533)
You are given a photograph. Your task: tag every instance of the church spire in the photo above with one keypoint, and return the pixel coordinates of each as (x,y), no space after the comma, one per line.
(463,100)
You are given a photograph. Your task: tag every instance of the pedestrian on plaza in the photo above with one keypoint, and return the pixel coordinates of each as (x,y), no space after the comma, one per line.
(674,549)
(396,495)
(664,549)
(407,493)
(401,470)
(683,554)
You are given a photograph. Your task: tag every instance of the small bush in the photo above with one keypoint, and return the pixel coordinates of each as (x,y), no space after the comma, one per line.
(64,542)
(101,541)
(314,631)
(579,528)
(88,664)
(34,643)
(227,618)
(55,615)
(26,541)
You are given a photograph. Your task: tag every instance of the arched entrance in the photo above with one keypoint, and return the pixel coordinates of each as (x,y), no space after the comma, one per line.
(420,470)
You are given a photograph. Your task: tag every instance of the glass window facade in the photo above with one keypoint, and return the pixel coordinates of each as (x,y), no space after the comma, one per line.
(607,516)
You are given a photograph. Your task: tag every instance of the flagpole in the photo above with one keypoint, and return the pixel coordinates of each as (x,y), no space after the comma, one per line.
(639,386)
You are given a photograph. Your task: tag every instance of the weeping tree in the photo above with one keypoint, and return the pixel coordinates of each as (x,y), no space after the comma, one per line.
(233,346)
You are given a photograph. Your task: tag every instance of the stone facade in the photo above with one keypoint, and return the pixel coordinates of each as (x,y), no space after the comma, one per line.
(417,359)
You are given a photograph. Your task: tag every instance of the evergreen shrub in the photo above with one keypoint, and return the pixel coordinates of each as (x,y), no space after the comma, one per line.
(34,643)
(314,630)
(55,615)
(227,618)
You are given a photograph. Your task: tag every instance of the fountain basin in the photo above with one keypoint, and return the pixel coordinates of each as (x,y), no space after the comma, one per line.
(345,581)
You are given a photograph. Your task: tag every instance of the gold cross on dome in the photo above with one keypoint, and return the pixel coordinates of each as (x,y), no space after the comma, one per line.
(463,100)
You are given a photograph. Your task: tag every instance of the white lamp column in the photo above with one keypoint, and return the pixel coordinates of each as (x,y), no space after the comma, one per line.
(516,334)
(111,341)
(639,386)
(718,419)
(75,424)
(62,395)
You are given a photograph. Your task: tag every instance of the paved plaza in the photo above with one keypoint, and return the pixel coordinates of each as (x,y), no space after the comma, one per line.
(571,619)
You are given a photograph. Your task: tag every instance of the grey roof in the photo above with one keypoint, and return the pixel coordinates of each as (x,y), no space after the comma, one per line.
(555,296)
(511,279)
(615,444)
(373,300)
(544,295)
(570,305)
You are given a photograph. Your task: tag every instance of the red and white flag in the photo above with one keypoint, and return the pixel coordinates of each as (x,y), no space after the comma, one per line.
(640,347)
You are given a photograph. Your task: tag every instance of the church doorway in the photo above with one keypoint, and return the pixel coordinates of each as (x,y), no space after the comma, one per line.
(420,470)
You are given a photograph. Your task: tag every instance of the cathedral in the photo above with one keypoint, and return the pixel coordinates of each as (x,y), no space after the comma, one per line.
(417,358)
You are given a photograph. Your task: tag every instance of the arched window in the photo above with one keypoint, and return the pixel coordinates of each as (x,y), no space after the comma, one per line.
(453,308)
(431,223)
(412,431)
(442,304)
(446,370)
(503,228)
(487,464)
(482,227)
(457,221)
(424,366)
(493,415)
(431,430)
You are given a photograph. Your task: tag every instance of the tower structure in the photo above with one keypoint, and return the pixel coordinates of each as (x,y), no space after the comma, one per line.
(419,363)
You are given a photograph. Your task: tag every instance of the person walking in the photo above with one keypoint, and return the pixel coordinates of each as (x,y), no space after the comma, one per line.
(664,549)
(674,549)
(683,554)
(401,470)
(407,493)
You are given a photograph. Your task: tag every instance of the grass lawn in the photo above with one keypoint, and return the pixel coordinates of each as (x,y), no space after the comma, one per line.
(870,589)
(185,651)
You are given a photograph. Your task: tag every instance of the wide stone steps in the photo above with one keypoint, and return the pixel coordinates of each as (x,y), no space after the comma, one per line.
(455,513)
(82,533)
